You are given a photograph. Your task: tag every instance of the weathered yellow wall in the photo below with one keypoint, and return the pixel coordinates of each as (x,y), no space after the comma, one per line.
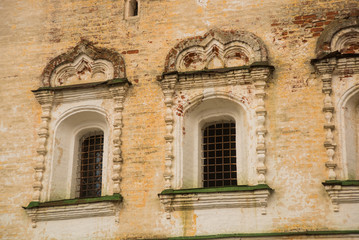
(32,32)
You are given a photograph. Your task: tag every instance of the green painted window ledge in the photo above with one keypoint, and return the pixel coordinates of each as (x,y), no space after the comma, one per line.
(341,182)
(216,189)
(220,70)
(75,201)
(270,234)
(84,85)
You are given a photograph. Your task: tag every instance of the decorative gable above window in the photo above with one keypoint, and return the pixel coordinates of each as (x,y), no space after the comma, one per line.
(82,64)
(75,87)
(220,77)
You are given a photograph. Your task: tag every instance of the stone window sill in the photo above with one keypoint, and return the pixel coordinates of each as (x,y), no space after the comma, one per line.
(342,191)
(72,208)
(217,197)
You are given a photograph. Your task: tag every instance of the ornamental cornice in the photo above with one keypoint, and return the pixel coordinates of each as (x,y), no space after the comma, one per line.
(217,77)
(79,92)
(342,192)
(73,208)
(225,197)
(336,63)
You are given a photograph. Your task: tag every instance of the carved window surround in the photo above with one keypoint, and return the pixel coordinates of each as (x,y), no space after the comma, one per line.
(329,66)
(73,208)
(256,74)
(222,197)
(226,67)
(68,82)
(114,89)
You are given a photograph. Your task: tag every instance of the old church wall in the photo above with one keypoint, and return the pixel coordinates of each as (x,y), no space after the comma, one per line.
(33,33)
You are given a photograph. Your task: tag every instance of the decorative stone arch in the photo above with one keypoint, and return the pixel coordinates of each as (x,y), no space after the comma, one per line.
(199,98)
(82,59)
(232,48)
(227,69)
(337,36)
(338,65)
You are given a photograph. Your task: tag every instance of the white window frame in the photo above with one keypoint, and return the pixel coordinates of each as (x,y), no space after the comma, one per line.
(74,134)
(189,140)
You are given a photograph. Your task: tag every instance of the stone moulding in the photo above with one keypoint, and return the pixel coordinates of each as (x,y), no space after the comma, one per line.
(217,197)
(346,191)
(73,208)
(85,91)
(217,77)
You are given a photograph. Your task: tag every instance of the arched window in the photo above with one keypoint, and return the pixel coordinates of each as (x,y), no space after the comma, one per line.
(80,156)
(131,8)
(214,145)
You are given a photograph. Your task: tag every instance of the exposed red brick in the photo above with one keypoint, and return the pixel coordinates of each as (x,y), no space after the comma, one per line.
(312,16)
(332,13)
(316,29)
(354,13)
(132,51)
(298,22)
(327,22)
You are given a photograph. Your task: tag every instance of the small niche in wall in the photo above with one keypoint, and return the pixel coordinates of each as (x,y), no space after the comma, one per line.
(131,9)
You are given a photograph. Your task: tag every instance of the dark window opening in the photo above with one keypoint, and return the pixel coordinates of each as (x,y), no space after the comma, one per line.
(133,8)
(91,166)
(219,155)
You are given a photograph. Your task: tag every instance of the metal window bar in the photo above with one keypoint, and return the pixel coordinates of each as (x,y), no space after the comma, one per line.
(90,179)
(219,155)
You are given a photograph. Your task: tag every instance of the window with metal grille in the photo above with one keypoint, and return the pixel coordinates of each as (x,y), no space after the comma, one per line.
(219,155)
(90,176)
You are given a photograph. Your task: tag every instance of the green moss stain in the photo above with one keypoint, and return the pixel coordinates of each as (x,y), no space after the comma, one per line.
(75,201)
(341,182)
(270,234)
(216,189)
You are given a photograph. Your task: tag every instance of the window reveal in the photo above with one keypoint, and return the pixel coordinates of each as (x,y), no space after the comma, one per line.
(91,166)
(219,155)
